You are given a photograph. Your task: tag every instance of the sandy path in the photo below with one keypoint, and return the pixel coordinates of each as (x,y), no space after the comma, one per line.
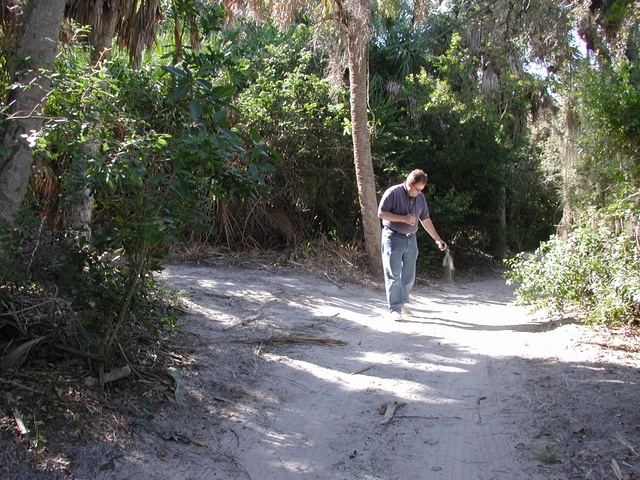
(324,421)
(465,373)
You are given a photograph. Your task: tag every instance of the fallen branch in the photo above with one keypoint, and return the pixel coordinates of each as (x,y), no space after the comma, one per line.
(332,280)
(250,319)
(361,370)
(26,309)
(221,399)
(426,417)
(180,438)
(68,349)
(19,385)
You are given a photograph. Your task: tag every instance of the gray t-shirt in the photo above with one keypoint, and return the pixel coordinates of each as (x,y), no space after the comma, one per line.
(397,200)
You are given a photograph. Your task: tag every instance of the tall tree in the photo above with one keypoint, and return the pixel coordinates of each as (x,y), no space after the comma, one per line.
(135,23)
(355,17)
(35,50)
(102,17)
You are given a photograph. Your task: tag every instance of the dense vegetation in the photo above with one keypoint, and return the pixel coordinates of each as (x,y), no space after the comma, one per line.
(237,135)
(591,267)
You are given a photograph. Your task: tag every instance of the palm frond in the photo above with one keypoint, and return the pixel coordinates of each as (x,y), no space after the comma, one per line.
(138,27)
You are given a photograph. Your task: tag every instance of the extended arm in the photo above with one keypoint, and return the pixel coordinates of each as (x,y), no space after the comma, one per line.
(431,230)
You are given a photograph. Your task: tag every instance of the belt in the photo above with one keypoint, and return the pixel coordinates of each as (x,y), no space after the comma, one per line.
(399,233)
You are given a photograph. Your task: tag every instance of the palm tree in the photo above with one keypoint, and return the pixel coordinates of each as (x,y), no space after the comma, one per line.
(354,17)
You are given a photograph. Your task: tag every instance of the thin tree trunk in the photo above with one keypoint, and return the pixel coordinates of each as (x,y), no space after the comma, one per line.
(134,280)
(357,43)
(78,209)
(36,48)
(499,240)
(571,127)
(103,39)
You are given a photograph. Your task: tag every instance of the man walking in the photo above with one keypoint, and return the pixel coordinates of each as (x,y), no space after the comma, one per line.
(401,208)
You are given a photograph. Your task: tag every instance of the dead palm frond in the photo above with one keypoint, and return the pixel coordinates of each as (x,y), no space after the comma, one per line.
(17,356)
(133,22)
(138,27)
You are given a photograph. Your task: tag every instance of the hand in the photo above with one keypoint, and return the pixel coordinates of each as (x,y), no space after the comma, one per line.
(441,245)
(410,219)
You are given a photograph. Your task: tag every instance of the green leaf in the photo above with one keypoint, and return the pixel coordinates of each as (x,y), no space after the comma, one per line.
(174,71)
(205,84)
(181,188)
(224,91)
(196,109)
(255,135)
(232,138)
(181,91)
(266,167)
(220,116)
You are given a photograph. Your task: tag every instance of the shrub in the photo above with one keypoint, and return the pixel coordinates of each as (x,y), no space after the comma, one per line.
(594,272)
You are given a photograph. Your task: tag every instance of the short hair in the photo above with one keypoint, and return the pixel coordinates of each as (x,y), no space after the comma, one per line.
(417,176)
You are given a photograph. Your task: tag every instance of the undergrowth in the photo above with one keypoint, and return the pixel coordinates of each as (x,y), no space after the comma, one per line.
(594,271)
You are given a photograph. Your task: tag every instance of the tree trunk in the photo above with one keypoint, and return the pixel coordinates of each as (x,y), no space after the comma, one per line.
(499,240)
(571,127)
(357,42)
(36,48)
(78,213)
(103,38)
(78,209)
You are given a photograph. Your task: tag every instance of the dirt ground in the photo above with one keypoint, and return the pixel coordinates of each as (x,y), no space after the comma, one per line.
(281,373)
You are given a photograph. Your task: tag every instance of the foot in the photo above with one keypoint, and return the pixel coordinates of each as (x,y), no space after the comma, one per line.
(395,316)
(406,312)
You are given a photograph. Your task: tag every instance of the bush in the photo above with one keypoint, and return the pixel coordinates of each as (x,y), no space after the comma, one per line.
(144,165)
(594,272)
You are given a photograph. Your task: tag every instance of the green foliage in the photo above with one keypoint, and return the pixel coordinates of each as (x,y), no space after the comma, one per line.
(609,106)
(481,166)
(12,237)
(152,148)
(593,273)
(399,48)
(460,142)
(533,201)
(185,150)
(448,209)
(291,105)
